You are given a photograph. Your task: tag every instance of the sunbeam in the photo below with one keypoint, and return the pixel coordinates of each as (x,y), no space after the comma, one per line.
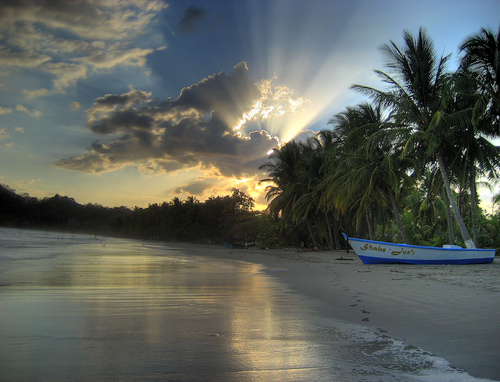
(98,101)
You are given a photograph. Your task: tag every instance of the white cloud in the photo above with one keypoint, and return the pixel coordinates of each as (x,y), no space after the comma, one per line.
(116,55)
(24,109)
(72,39)
(3,134)
(66,74)
(35,93)
(5,110)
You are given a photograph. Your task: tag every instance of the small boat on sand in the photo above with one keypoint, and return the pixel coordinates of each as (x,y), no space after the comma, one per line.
(379,252)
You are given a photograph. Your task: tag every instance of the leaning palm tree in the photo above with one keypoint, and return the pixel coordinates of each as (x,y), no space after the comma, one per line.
(418,94)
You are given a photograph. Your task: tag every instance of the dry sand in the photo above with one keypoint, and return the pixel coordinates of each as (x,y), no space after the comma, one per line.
(452,311)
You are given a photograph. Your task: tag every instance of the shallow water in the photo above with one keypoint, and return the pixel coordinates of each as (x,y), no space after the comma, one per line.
(78,307)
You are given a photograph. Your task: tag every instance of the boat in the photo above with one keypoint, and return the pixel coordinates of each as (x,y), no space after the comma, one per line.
(379,252)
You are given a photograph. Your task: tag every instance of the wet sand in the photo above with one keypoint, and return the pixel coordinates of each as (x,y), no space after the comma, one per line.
(76,307)
(451,311)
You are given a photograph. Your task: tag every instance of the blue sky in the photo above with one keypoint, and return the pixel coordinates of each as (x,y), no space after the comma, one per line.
(138,101)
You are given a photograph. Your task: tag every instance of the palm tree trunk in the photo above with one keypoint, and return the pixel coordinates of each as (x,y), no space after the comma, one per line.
(369,222)
(460,222)
(397,215)
(473,203)
(315,244)
(329,228)
(336,235)
(449,216)
(320,234)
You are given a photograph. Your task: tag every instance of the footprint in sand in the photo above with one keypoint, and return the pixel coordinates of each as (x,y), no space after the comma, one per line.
(365,319)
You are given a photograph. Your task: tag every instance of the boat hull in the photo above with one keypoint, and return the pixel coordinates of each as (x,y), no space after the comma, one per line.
(378,252)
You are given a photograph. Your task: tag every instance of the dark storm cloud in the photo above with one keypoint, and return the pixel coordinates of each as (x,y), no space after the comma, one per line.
(192,19)
(122,120)
(228,95)
(111,101)
(196,129)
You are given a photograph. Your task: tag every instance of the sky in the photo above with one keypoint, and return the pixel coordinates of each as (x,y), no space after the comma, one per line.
(134,102)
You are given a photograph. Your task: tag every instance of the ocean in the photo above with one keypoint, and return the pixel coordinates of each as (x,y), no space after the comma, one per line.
(80,307)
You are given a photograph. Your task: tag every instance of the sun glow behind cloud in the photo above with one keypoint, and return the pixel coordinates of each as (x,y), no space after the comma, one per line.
(270,113)
(140,101)
(303,61)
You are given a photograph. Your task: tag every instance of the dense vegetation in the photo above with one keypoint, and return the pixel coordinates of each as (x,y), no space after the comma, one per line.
(402,167)
(405,165)
(217,220)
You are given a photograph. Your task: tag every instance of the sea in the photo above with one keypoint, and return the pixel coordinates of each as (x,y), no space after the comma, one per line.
(79,307)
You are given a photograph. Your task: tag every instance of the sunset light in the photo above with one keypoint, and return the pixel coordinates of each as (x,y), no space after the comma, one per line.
(249,190)
(186,98)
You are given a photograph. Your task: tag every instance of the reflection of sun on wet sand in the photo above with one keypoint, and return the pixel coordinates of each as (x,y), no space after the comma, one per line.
(451,310)
(151,310)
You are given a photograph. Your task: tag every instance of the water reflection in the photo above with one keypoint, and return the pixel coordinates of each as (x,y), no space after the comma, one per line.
(141,313)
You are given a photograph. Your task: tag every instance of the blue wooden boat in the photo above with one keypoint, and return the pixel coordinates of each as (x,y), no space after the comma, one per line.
(379,252)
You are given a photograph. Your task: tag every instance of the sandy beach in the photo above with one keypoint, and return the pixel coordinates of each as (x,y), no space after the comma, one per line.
(80,307)
(451,311)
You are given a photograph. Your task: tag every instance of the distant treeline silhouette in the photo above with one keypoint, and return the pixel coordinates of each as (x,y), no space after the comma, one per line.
(219,219)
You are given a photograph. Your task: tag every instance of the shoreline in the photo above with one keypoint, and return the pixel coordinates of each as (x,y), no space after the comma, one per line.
(452,311)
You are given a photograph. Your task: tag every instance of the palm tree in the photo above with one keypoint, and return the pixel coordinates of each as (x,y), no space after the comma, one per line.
(418,92)
(472,154)
(482,56)
(306,208)
(480,66)
(312,204)
(287,185)
(282,168)
(368,176)
(428,205)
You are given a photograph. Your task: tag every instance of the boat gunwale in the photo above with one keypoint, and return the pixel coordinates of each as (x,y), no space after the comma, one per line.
(420,246)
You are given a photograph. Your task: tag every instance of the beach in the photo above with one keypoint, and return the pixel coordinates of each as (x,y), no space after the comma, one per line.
(82,307)
(452,311)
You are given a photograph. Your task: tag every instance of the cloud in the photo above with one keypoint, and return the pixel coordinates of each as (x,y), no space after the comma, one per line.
(85,18)
(199,129)
(66,74)
(112,102)
(35,93)
(76,105)
(71,39)
(5,110)
(3,134)
(24,109)
(21,59)
(117,55)
(192,19)
(198,187)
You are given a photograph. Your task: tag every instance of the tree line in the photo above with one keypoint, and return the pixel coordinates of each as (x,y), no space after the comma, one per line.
(219,219)
(404,165)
